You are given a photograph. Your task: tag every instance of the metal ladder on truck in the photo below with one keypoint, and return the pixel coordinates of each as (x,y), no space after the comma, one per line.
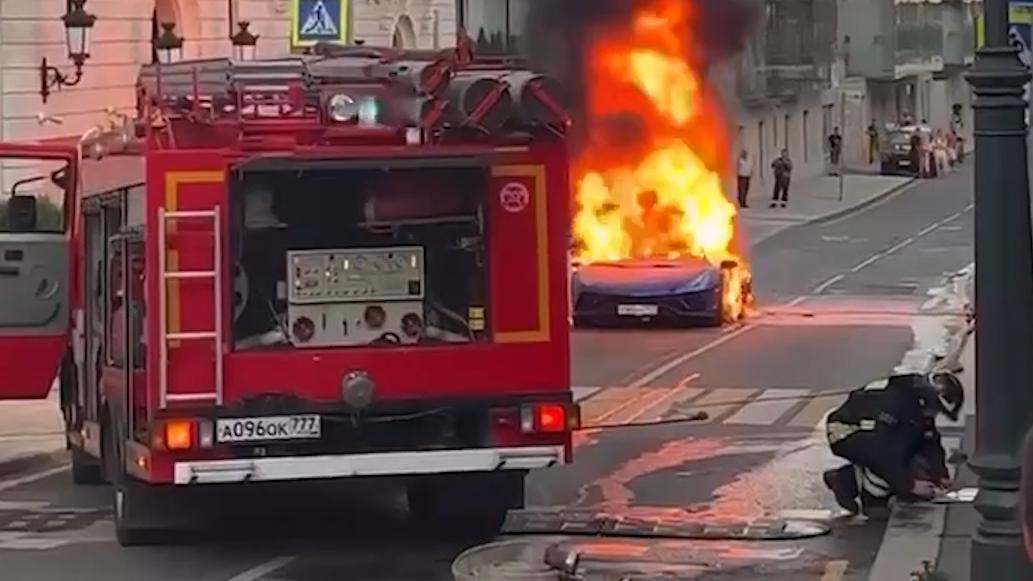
(215,334)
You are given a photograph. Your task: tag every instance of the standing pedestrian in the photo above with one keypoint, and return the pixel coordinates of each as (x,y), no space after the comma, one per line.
(915,154)
(783,168)
(940,156)
(744,171)
(835,149)
(926,169)
(873,142)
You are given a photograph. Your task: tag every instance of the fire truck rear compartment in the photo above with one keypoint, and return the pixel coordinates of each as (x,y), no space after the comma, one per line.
(326,258)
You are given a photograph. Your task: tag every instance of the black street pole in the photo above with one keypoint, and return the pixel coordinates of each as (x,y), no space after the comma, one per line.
(1004,300)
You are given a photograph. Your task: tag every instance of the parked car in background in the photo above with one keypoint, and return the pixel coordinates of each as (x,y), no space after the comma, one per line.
(896,158)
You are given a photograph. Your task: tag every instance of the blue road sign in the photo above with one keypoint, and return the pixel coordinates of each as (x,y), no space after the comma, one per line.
(314,21)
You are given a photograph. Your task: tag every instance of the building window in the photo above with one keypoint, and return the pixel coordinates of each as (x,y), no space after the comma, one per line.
(806,145)
(496,26)
(760,145)
(154,36)
(785,133)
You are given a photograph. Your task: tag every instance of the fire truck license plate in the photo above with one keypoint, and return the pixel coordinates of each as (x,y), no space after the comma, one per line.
(269,428)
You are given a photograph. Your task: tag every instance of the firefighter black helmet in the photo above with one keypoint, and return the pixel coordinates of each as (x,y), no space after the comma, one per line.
(950,393)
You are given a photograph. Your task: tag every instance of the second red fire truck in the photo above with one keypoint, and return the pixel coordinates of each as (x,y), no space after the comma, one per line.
(345,264)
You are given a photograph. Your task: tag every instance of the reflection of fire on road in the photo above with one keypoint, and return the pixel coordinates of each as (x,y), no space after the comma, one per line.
(647,185)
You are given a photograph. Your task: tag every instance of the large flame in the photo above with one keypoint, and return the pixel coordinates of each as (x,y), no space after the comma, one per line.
(650,184)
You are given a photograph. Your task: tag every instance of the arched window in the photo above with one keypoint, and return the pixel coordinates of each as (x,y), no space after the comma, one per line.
(164,11)
(154,36)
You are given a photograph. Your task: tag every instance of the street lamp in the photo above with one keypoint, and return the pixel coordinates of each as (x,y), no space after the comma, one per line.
(1004,299)
(78,27)
(168,45)
(244,43)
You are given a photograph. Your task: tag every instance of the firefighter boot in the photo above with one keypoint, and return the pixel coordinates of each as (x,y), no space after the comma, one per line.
(843,485)
(874,507)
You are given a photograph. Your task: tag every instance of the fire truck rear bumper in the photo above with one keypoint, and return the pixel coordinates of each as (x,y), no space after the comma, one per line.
(352,465)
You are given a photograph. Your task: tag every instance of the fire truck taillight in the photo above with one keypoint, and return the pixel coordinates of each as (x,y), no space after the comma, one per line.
(543,418)
(179,434)
(206,433)
(184,434)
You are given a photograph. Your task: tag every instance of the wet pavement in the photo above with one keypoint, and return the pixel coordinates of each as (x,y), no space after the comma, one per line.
(841,303)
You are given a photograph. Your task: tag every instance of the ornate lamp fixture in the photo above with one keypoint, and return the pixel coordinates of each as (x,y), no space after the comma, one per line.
(78,32)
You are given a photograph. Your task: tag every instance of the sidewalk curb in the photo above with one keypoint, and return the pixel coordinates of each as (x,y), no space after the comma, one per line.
(914,531)
(31,463)
(835,215)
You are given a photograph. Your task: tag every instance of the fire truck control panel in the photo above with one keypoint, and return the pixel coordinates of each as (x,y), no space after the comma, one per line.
(355,296)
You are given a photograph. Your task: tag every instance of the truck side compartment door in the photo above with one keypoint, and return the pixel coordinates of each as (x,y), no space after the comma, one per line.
(38,209)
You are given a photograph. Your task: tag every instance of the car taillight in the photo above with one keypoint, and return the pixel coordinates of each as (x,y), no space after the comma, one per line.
(544,418)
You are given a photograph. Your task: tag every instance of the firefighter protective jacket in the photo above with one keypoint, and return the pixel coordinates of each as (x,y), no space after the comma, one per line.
(890,413)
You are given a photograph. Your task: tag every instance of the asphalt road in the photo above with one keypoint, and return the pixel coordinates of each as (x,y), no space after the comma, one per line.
(839,305)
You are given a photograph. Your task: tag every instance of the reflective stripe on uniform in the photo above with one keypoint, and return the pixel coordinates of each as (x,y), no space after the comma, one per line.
(872,483)
(838,431)
(878,384)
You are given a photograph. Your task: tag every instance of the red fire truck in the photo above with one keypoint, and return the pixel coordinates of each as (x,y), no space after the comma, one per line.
(351,263)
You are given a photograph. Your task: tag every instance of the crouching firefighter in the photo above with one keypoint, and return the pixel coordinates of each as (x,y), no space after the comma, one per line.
(887,431)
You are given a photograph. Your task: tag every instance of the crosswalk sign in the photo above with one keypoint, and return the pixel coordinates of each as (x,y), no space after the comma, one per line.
(314,21)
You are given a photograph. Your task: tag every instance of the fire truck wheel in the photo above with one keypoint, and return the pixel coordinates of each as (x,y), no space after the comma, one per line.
(131,511)
(462,503)
(85,469)
(130,499)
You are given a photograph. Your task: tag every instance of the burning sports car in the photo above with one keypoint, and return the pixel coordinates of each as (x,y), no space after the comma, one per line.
(667,290)
(655,235)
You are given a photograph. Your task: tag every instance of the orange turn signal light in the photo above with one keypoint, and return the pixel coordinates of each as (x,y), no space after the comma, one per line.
(179,434)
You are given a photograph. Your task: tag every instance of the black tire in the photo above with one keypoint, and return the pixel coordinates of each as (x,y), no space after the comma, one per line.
(720,315)
(466,502)
(132,510)
(129,499)
(86,470)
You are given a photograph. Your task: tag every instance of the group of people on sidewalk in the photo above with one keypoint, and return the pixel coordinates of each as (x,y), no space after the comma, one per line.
(782,168)
(935,153)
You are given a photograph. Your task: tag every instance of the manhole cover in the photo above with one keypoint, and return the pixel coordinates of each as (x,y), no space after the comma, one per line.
(563,522)
(504,561)
(49,521)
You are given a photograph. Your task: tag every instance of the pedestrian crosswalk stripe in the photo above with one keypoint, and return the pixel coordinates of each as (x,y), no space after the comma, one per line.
(582,393)
(794,408)
(771,405)
(659,408)
(717,403)
(815,410)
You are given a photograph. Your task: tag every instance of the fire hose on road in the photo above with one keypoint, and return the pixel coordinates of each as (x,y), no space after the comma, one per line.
(949,362)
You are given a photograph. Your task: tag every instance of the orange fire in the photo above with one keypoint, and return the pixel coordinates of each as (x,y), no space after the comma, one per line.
(650,184)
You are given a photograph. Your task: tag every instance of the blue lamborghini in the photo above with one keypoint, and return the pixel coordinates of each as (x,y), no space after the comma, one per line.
(682,290)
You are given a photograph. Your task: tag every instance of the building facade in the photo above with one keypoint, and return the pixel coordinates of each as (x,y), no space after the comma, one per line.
(421,24)
(810,66)
(123,39)
(815,65)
